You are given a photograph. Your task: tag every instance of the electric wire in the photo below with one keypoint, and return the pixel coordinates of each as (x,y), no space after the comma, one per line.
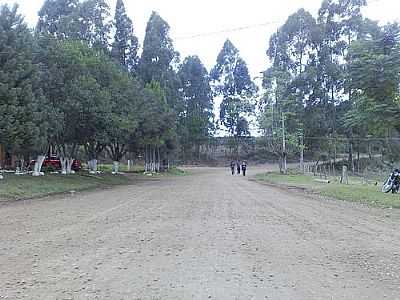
(242,28)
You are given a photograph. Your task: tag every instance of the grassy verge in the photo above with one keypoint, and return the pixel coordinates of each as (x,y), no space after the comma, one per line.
(122,168)
(139,169)
(355,191)
(15,187)
(171,172)
(177,172)
(21,187)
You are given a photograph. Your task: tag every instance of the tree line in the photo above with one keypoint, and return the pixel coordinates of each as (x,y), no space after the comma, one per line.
(333,77)
(77,82)
(81,82)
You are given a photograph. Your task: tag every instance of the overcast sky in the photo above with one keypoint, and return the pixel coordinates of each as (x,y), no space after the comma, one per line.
(193,17)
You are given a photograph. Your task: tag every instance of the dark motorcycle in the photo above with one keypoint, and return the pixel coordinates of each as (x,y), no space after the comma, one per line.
(392,184)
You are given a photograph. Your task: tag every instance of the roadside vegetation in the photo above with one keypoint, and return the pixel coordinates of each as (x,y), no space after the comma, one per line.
(177,172)
(90,91)
(25,187)
(332,88)
(356,191)
(108,168)
(18,187)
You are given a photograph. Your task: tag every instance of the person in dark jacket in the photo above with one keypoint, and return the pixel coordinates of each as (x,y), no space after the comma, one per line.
(238,167)
(244,168)
(233,167)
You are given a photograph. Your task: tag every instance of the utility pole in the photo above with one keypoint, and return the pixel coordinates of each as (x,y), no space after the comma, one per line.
(302,153)
(284,145)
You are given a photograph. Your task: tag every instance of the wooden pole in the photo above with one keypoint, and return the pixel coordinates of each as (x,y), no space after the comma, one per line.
(302,154)
(284,145)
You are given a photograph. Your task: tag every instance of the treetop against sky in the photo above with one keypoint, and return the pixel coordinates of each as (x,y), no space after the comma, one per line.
(201,27)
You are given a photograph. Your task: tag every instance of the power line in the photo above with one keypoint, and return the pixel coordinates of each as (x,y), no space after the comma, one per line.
(374,1)
(243,28)
(235,29)
(352,138)
(324,138)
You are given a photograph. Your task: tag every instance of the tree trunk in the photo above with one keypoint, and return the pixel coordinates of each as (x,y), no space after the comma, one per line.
(146,169)
(369,150)
(115,167)
(38,166)
(70,162)
(158,160)
(154,159)
(284,163)
(345,178)
(198,152)
(23,165)
(92,166)
(351,163)
(335,154)
(63,161)
(19,167)
(151,159)
(148,159)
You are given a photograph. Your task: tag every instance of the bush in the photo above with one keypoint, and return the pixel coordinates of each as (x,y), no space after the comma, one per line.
(49,169)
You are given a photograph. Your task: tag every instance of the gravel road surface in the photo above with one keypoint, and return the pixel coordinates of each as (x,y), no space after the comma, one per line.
(209,235)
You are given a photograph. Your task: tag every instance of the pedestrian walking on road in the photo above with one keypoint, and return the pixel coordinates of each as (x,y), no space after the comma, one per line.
(238,167)
(244,167)
(233,167)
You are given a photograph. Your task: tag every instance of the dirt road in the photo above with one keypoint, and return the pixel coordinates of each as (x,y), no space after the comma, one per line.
(204,236)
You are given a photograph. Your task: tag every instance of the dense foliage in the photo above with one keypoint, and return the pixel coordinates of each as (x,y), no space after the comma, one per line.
(232,83)
(69,85)
(80,83)
(334,79)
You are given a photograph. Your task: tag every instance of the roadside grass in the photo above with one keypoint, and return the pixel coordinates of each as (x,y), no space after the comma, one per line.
(355,191)
(122,168)
(177,172)
(139,169)
(174,171)
(15,187)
